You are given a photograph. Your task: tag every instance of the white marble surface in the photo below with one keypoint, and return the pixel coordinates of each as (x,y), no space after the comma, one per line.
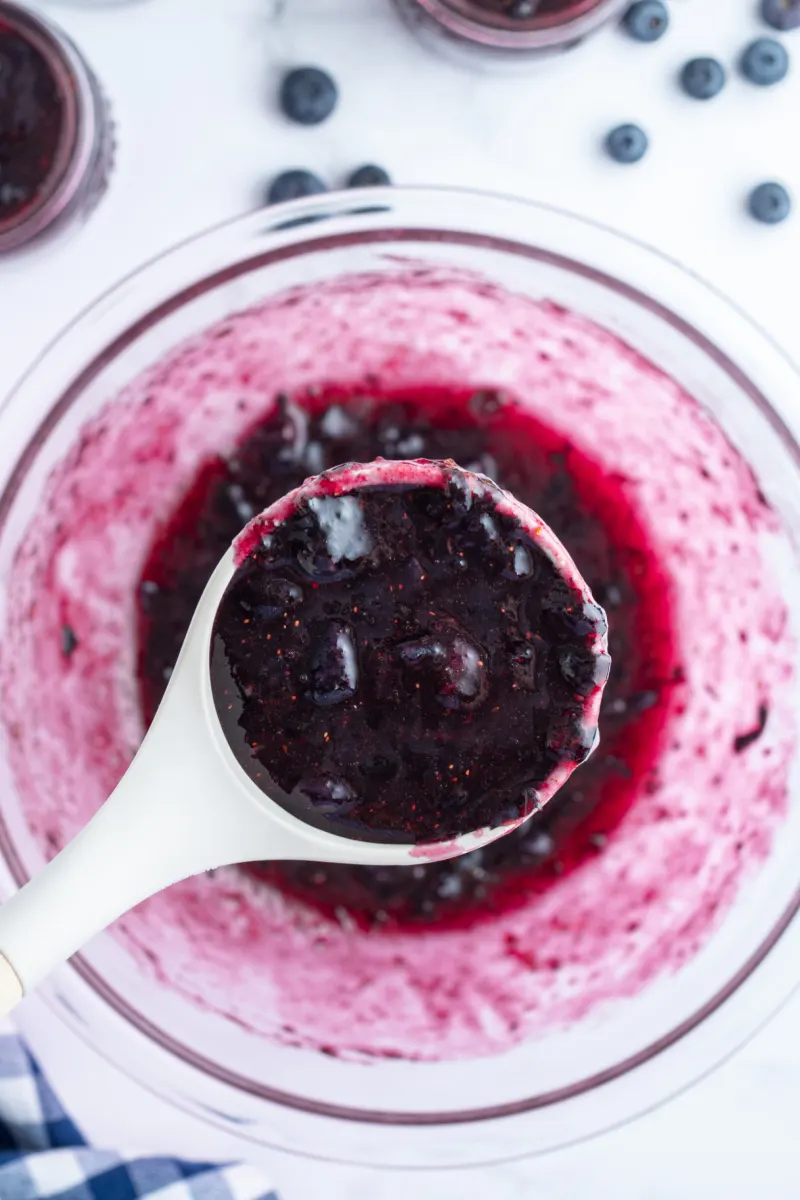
(192,83)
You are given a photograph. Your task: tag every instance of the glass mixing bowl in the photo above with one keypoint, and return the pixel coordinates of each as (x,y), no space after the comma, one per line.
(634,1053)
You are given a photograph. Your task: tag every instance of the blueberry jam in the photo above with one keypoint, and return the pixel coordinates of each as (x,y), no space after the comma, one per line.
(31,123)
(407,654)
(482,431)
(527,13)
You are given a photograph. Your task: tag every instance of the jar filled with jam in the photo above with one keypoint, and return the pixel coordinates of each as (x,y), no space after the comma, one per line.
(56,137)
(504,32)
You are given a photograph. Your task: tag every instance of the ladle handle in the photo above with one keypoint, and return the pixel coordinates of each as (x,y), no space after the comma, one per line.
(10,987)
(174,813)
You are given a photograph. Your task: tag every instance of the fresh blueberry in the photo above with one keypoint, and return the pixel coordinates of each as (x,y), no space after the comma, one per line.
(627,143)
(522,10)
(765,62)
(291,185)
(368,176)
(308,95)
(647,20)
(770,203)
(329,796)
(781,14)
(703,78)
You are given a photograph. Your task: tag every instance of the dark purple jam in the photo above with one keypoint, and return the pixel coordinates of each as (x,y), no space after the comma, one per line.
(403,660)
(31,123)
(524,15)
(483,432)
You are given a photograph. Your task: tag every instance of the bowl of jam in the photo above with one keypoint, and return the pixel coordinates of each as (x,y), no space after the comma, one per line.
(627,936)
(56,139)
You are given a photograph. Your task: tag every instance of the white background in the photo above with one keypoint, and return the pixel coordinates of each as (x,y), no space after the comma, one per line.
(192,84)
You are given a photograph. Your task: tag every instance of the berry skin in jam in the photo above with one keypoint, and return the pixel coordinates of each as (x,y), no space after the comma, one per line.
(406,653)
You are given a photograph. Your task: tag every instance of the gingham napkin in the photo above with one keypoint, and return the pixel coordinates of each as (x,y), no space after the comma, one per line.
(43,1155)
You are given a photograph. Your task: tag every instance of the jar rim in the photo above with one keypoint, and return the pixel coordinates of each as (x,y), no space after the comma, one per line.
(460,19)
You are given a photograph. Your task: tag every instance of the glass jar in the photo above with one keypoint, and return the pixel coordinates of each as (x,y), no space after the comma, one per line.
(481,33)
(56,172)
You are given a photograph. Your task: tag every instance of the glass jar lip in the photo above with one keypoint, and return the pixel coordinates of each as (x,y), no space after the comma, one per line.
(460,18)
(299,228)
(79,133)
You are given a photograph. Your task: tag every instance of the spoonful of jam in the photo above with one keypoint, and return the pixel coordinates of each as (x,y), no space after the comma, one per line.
(395,662)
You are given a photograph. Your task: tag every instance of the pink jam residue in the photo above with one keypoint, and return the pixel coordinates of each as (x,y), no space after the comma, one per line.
(695,812)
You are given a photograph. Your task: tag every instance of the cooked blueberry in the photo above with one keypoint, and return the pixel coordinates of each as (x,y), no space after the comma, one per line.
(765,62)
(703,78)
(568,741)
(647,20)
(522,565)
(334,665)
(242,506)
(149,591)
(770,203)
(369,175)
(449,887)
(289,430)
(609,595)
(640,701)
(781,14)
(583,670)
(326,795)
(412,446)
(336,423)
(530,800)
(627,143)
(293,185)
(308,95)
(522,10)
(448,667)
(581,619)
(487,403)
(13,195)
(537,845)
(489,532)
(273,599)
(505,816)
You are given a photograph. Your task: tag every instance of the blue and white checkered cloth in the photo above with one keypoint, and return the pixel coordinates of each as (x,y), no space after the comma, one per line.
(43,1155)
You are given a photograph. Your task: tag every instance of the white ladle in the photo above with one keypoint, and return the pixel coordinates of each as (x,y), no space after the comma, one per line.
(185,805)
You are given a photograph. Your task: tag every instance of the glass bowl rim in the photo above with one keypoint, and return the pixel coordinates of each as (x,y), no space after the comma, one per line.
(303,218)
